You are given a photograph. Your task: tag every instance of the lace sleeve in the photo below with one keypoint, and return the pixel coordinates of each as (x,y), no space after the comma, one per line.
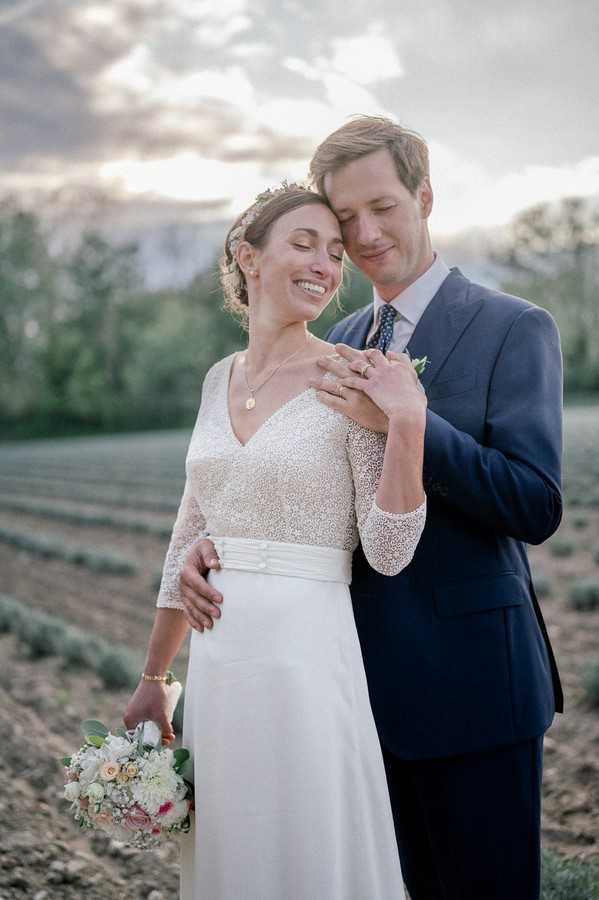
(388,539)
(189,526)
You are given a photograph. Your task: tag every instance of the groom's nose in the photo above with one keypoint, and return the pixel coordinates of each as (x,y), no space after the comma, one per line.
(368,230)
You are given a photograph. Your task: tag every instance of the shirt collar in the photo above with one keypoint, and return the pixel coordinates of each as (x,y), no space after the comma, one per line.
(412,302)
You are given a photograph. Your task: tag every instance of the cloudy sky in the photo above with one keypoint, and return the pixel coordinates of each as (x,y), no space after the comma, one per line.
(193,107)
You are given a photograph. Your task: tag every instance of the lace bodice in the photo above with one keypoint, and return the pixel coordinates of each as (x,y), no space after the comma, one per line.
(307,476)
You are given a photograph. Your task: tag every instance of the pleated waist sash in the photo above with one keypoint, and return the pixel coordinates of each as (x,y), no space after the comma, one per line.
(280,558)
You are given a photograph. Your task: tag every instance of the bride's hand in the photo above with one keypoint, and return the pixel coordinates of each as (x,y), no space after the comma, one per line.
(354,404)
(390,383)
(148,703)
(402,392)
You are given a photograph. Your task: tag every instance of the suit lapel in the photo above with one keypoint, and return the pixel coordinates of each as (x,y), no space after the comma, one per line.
(442,323)
(359,328)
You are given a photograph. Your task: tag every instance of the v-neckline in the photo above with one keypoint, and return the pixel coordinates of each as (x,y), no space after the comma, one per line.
(274,414)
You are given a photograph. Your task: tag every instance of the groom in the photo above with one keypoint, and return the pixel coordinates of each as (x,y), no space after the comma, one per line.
(462,678)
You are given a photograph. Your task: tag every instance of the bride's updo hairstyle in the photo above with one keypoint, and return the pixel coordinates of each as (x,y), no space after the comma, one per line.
(254,226)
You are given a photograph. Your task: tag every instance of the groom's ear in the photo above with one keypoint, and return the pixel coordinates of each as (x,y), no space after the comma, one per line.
(425,196)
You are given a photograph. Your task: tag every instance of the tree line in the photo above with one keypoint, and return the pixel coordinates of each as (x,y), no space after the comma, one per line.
(86,347)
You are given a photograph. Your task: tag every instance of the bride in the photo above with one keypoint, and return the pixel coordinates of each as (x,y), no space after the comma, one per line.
(291,799)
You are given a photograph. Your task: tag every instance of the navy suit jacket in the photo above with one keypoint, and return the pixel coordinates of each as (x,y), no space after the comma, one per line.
(455,647)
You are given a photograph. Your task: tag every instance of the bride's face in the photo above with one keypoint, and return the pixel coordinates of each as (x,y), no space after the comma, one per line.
(300,267)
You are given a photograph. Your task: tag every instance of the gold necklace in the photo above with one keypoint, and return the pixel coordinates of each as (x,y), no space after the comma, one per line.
(251,401)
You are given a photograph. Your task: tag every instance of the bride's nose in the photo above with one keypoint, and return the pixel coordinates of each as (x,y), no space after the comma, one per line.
(321,263)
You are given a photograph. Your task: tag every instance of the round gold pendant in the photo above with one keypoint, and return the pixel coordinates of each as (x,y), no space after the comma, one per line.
(250,403)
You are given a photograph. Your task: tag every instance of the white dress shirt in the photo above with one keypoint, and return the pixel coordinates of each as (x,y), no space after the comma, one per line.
(411,303)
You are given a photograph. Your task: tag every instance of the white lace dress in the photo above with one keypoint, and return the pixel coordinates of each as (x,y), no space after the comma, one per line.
(290,790)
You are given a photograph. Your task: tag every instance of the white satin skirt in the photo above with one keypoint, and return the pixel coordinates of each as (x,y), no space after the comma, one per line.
(290,790)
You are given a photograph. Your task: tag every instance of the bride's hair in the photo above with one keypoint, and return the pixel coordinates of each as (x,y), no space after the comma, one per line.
(254,225)
(367,134)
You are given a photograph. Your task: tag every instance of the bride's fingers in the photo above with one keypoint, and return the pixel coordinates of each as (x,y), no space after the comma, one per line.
(375,357)
(349,353)
(332,364)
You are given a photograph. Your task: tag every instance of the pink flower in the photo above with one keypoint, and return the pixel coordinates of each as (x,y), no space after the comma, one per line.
(137,818)
(102,819)
(156,829)
(166,807)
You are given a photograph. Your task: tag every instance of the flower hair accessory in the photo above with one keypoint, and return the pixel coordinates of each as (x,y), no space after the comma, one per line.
(231,271)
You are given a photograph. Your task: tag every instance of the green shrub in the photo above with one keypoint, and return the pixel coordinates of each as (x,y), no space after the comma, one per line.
(568,879)
(81,556)
(584,595)
(591,683)
(42,635)
(117,669)
(579,522)
(561,547)
(11,612)
(80,651)
(542,585)
(94,519)
(100,562)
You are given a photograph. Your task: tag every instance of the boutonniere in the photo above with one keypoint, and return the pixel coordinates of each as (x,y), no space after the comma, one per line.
(420,364)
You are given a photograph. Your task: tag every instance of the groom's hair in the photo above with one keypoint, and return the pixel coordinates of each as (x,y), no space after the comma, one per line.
(367,134)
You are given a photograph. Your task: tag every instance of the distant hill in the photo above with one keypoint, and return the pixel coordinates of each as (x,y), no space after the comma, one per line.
(177,241)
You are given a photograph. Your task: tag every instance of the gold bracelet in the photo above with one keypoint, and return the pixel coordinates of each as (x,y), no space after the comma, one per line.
(168,677)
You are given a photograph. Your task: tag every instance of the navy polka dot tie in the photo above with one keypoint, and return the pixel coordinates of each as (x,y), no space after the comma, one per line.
(383,336)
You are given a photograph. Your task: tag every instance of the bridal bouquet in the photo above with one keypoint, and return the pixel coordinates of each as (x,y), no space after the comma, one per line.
(126,784)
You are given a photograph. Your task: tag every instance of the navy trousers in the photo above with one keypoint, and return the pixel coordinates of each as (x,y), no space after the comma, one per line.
(468,827)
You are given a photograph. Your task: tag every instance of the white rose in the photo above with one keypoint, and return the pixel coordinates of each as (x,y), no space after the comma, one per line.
(88,772)
(72,789)
(115,747)
(95,792)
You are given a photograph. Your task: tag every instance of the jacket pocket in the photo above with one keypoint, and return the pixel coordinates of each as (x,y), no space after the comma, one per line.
(475,595)
(450,386)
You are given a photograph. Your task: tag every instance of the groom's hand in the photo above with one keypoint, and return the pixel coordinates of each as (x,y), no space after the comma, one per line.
(200,600)
(354,404)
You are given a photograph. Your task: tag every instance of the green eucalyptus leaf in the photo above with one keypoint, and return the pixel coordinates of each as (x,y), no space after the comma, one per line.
(180,756)
(186,772)
(95,740)
(93,727)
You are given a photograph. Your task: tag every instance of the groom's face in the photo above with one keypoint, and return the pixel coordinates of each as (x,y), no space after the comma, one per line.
(384,226)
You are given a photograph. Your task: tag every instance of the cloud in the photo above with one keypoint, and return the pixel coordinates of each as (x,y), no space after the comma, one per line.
(238,94)
(467,194)
(366,58)
(18,11)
